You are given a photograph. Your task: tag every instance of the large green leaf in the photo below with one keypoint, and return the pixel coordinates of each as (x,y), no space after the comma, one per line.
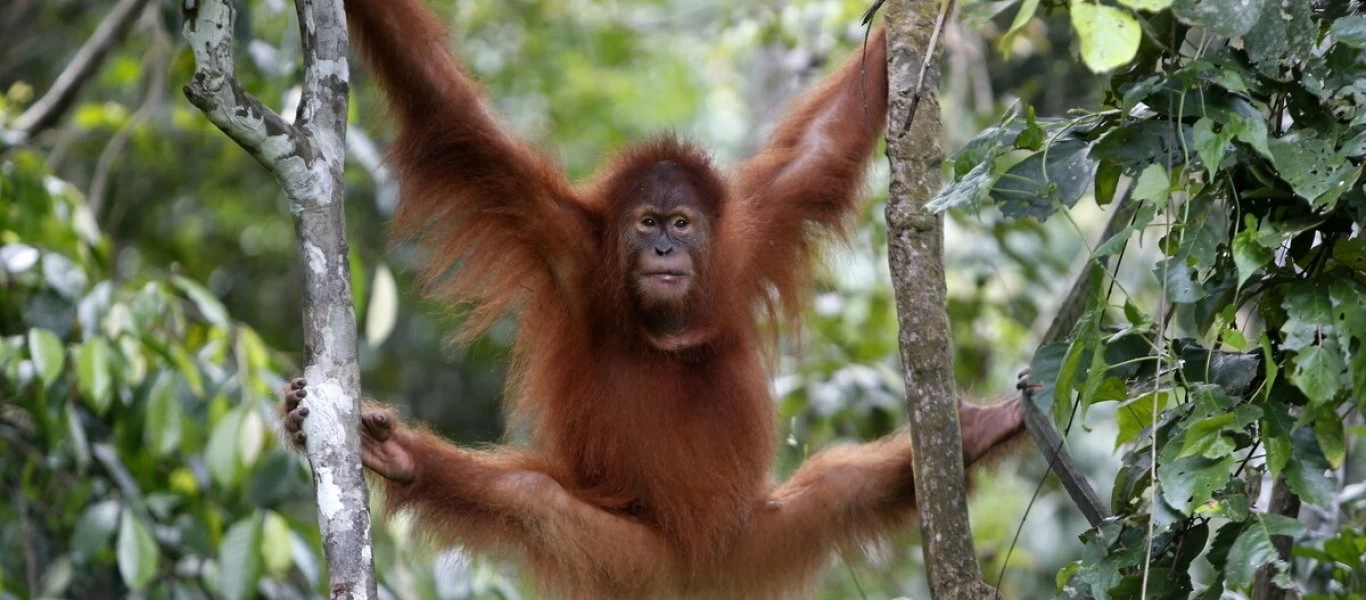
(1109,36)
(94,529)
(1283,36)
(967,191)
(221,456)
(137,552)
(92,373)
(48,354)
(277,551)
(1229,18)
(1351,30)
(209,306)
(1319,371)
(1190,481)
(1312,167)
(1036,186)
(162,428)
(239,559)
(1254,547)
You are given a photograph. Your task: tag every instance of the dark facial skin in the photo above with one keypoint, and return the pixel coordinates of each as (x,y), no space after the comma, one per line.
(665,243)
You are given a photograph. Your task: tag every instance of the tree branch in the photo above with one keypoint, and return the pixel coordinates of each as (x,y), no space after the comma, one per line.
(156,64)
(916,259)
(1046,437)
(48,109)
(307,157)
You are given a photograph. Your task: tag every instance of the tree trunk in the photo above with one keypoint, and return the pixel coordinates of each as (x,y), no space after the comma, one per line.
(916,257)
(307,157)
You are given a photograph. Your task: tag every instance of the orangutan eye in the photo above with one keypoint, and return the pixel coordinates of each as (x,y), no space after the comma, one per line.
(681,223)
(648,222)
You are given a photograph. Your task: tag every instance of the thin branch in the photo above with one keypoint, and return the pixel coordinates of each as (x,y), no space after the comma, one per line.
(918,92)
(48,109)
(156,64)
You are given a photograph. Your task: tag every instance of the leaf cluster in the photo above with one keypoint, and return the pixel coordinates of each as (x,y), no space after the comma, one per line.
(1235,132)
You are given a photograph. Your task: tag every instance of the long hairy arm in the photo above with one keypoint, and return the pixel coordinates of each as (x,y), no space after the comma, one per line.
(806,181)
(848,496)
(508,503)
(499,222)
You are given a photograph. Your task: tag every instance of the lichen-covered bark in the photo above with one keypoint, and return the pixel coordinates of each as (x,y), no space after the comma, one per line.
(307,157)
(916,240)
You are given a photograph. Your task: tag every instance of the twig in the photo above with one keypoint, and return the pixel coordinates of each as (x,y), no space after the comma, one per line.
(43,113)
(918,92)
(157,62)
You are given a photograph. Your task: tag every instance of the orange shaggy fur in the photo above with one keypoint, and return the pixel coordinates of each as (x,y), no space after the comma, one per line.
(648,473)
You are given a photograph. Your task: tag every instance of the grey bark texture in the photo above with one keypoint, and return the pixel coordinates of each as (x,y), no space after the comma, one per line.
(306,157)
(916,259)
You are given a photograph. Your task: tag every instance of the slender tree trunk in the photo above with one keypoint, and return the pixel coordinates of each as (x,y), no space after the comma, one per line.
(307,157)
(916,257)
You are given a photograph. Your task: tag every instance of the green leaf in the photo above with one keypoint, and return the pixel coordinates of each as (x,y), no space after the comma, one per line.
(1067,376)
(221,456)
(1254,548)
(1043,369)
(1227,18)
(1191,481)
(48,354)
(239,559)
(92,374)
(1309,311)
(1312,167)
(1119,240)
(1354,147)
(1206,436)
(94,530)
(1252,131)
(1147,142)
(1031,137)
(1328,430)
(1107,181)
(1350,30)
(1134,416)
(137,552)
(162,429)
(966,191)
(80,445)
(1043,181)
(1022,17)
(1153,185)
(1148,5)
(208,304)
(1248,254)
(1211,145)
(1284,36)
(251,436)
(1318,372)
(1181,282)
(277,551)
(1109,36)
(185,364)
(1305,471)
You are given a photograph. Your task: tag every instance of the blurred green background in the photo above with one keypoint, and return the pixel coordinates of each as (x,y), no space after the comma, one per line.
(154,264)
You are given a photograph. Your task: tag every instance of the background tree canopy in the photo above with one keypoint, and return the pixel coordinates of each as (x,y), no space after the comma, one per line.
(149,293)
